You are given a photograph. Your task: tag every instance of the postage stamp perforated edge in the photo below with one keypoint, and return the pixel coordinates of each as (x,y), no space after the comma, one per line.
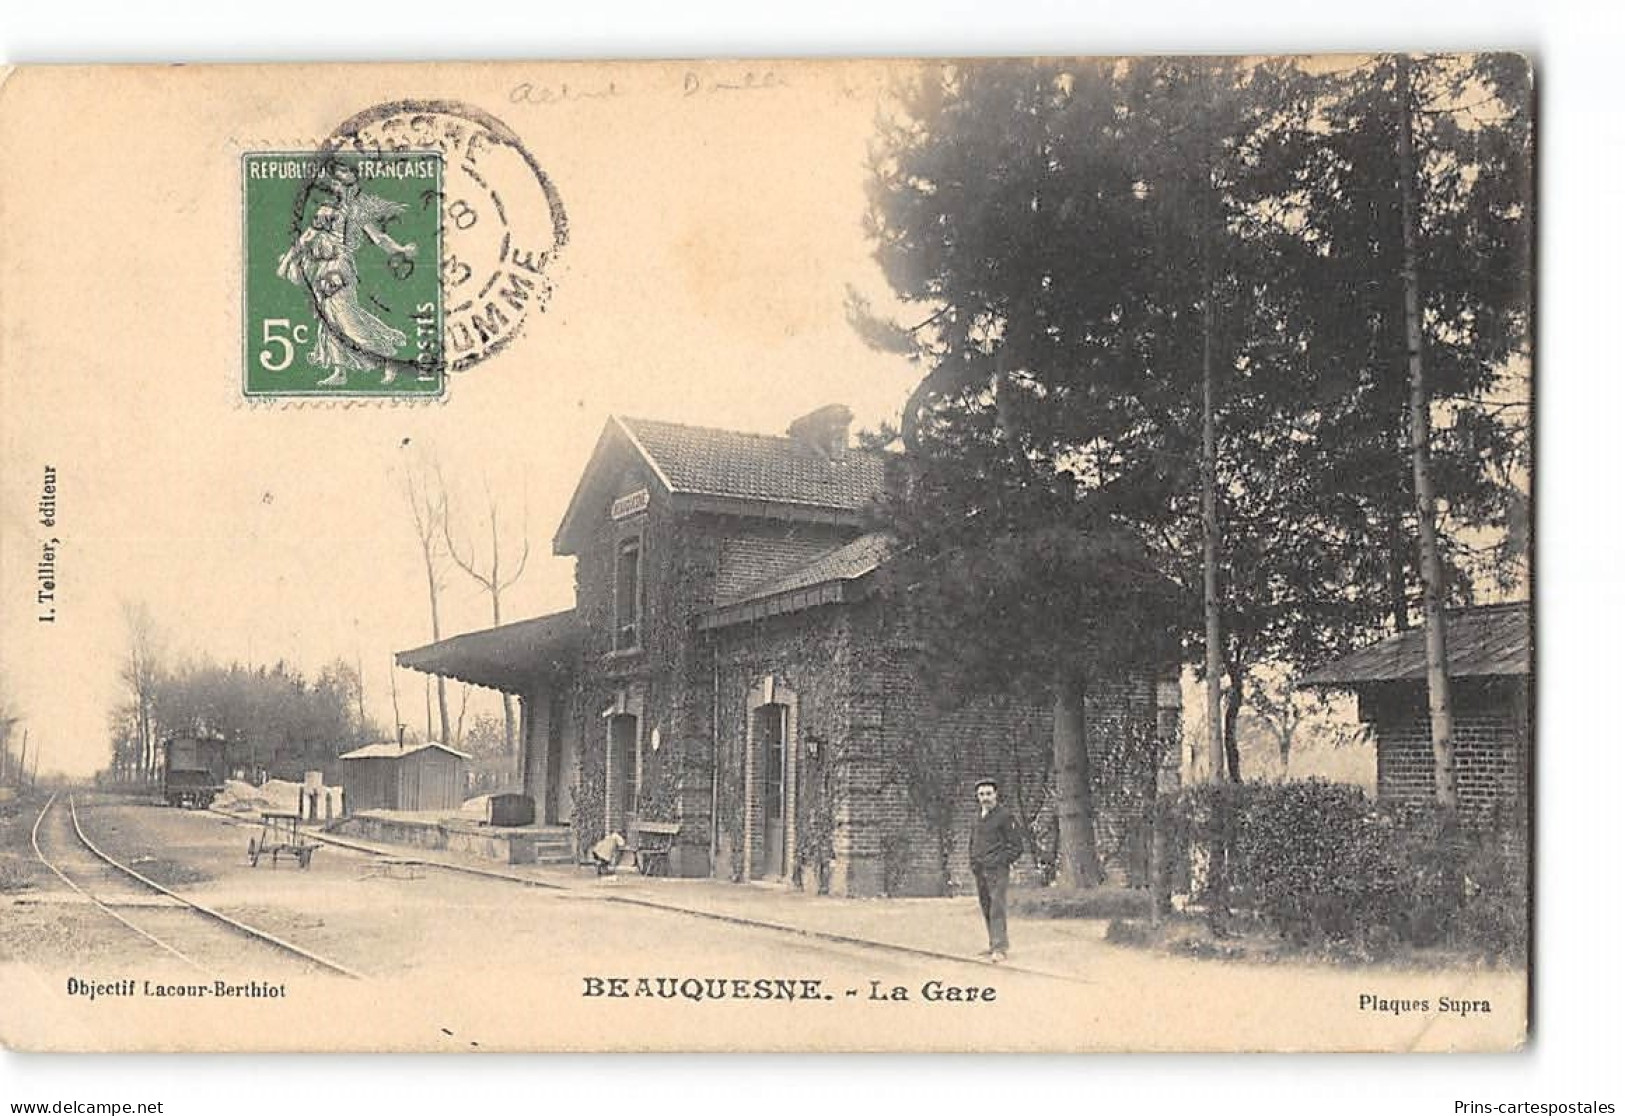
(232,385)
(239,150)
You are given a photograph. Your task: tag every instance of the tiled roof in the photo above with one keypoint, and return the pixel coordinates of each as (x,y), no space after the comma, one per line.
(509,658)
(822,581)
(751,559)
(388,749)
(1483,642)
(856,558)
(703,461)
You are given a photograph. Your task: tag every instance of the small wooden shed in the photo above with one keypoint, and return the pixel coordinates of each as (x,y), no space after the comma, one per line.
(391,776)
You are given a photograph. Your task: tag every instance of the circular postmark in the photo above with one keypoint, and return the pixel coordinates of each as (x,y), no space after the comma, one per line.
(500,224)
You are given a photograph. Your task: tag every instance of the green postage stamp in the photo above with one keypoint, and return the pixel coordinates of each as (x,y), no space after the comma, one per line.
(342,274)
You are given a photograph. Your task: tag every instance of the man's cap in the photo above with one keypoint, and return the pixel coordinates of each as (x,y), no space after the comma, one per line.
(980,783)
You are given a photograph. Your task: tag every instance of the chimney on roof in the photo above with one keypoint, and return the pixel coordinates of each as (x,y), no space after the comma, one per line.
(824,431)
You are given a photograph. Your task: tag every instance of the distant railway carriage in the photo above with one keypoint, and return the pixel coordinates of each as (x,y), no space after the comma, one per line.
(194,769)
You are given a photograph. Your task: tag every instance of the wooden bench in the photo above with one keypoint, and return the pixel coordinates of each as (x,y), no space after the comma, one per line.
(652,854)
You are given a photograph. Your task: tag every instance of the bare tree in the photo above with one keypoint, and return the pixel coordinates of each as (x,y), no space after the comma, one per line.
(360,681)
(1289,716)
(462,711)
(1212,609)
(398,729)
(125,748)
(428,522)
(142,673)
(9,716)
(488,569)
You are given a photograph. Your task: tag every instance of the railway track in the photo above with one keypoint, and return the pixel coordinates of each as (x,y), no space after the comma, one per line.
(196,935)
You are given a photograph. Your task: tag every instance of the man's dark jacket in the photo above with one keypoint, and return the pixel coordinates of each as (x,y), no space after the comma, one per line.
(995,840)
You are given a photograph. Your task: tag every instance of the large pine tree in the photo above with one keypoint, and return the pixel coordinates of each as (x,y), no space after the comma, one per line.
(1046,217)
(1097,249)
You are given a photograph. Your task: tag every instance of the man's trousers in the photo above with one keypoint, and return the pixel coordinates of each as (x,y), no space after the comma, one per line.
(992,884)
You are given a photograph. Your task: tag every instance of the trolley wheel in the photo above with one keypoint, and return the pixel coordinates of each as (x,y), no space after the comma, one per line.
(253,853)
(304,856)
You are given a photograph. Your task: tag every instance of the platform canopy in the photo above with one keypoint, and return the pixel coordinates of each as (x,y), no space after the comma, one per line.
(514,658)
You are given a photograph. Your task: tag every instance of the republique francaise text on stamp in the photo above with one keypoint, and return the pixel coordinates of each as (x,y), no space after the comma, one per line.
(412,243)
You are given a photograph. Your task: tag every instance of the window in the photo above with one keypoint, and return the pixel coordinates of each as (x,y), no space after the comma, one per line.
(771,726)
(628,594)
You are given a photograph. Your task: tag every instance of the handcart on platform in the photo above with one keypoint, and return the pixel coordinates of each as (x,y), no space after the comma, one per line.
(280,835)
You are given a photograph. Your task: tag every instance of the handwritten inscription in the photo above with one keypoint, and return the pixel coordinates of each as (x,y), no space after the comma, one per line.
(540,93)
(694,83)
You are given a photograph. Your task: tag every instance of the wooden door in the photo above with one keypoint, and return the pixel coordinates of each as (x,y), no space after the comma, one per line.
(623,759)
(774,752)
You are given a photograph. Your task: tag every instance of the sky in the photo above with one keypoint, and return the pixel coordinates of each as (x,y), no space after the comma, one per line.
(713,238)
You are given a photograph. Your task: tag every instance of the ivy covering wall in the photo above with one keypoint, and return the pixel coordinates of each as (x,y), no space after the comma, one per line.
(885,762)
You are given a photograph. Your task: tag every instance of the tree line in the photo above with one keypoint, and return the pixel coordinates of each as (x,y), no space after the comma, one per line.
(276,722)
(17,766)
(1221,360)
(274,717)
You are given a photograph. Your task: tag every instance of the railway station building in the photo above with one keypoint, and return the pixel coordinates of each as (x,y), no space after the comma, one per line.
(730,671)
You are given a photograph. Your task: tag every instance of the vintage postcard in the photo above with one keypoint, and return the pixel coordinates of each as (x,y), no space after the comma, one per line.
(998,555)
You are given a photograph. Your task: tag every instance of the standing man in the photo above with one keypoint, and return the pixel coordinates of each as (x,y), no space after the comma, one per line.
(995,844)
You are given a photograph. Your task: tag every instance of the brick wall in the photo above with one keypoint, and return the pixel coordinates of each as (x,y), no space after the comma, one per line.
(807,655)
(883,764)
(889,784)
(1010,740)
(1492,734)
(751,553)
(914,797)
(689,561)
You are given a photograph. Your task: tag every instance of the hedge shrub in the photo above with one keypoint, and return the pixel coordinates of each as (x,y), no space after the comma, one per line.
(1320,862)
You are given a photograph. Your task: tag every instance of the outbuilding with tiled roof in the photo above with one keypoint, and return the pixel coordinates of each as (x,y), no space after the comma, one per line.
(1489,650)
